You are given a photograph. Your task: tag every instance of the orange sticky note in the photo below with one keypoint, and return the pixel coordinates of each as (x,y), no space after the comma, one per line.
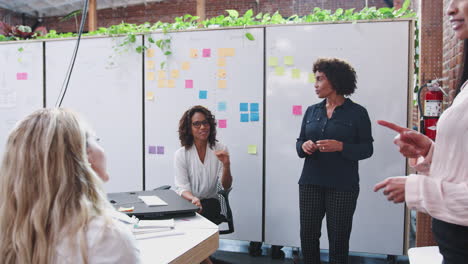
(175,74)
(222,73)
(230,52)
(185,65)
(221,84)
(221,62)
(150,65)
(170,83)
(162,83)
(193,53)
(162,75)
(150,53)
(149,96)
(150,76)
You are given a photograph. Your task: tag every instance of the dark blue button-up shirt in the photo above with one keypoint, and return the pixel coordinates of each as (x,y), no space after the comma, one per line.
(349,124)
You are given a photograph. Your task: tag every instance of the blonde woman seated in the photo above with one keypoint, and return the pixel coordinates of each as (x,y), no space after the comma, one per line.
(52,205)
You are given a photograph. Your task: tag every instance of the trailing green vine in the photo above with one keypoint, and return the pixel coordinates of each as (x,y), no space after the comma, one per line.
(232,19)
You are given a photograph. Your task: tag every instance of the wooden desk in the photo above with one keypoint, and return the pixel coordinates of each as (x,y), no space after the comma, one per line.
(200,240)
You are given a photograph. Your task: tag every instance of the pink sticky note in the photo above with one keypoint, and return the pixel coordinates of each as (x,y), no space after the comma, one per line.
(188,83)
(222,123)
(297,110)
(206,53)
(22,76)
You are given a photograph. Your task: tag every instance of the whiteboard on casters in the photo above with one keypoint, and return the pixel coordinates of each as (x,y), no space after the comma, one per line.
(379,53)
(106,89)
(229,68)
(21,84)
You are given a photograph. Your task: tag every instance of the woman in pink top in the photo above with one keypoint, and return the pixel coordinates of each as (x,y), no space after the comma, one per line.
(441,190)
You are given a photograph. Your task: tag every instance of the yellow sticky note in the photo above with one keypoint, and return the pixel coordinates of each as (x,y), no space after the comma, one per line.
(252,149)
(149,96)
(175,74)
(185,65)
(279,71)
(150,65)
(221,52)
(150,53)
(311,77)
(289,60)
(193,53)
(296,73)
(150,76)
(162,75)
(222,73)
(170,83)
(221,84)
(273,61)
(221,62)
(162,83)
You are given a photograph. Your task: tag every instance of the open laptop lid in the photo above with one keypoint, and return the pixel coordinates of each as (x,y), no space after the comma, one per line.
(176,205)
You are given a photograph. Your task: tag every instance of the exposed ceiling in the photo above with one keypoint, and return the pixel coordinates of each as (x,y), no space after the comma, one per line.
(46,8)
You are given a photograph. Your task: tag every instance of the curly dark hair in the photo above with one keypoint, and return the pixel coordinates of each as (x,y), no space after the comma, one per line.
(340,73)
(185,126)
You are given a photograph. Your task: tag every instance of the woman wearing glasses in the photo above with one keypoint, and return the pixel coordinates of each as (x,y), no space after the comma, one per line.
(201,162)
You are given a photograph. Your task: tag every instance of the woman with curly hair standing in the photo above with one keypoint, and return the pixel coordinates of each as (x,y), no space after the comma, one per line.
(201,162)
(335,135)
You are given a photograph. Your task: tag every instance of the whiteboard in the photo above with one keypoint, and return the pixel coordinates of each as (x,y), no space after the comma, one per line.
(379,53)
(21,84)
(106,89)
(244,84)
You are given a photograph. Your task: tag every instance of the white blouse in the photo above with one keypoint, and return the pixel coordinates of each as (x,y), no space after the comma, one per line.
(442,188)
(199,178)
(107,242)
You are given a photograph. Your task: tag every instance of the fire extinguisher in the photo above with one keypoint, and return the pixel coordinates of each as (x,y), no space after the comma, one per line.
(432,108)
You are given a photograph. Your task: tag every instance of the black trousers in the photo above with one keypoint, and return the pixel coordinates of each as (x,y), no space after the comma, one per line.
(452,240)
(339,206)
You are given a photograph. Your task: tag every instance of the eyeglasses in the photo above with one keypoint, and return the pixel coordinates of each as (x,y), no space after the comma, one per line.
(198,124)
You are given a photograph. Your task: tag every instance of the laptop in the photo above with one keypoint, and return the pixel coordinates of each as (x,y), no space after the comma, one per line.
(176,205)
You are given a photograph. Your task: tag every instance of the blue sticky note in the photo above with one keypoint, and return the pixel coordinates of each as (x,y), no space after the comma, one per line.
(254,107)
(221,106)
(254,116)
(244,107)
(203,94)
(244,118)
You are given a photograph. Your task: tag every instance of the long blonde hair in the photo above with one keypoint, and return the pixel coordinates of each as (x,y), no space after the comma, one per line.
(48,188)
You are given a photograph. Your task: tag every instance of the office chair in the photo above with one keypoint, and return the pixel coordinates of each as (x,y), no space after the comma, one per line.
(226,213)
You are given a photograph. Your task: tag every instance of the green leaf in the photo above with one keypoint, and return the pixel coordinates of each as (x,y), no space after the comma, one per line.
(151,40)
(20,49)
(248,13)
(167,53)
(233,13)
(71,15)
(249,36)
(162,64)
(140,49)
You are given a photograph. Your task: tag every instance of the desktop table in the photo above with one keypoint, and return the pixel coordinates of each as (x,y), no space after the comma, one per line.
(199,240)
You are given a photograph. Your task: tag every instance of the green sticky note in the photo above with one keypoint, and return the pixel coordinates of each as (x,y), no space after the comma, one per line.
(311,77)
(296,73)
(252,149)
(273,61)
(288,60)
(279,71)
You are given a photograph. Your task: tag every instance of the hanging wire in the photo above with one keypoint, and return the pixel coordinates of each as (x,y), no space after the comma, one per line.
(64,89)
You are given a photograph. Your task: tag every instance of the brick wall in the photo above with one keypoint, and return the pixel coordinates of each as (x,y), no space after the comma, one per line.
(166,10)
(12,18)
(452,57)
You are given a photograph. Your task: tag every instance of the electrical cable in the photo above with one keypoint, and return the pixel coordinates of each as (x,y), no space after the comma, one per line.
(64,89)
